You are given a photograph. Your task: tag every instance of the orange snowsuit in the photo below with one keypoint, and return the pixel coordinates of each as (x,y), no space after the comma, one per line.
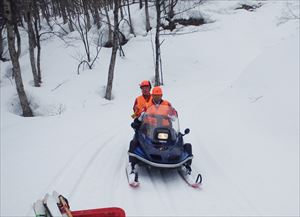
(164,109)
(140,103)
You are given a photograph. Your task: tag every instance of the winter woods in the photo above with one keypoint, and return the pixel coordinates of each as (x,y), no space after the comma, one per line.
(60,18)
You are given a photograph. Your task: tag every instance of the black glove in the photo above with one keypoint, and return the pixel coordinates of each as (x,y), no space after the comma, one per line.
(136,124)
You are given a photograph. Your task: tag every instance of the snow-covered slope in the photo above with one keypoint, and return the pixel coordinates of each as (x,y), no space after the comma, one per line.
(235,84)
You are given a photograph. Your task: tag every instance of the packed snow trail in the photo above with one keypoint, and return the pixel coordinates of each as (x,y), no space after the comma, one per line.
(98,169)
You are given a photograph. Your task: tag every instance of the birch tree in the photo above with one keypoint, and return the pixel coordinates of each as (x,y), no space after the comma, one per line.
(148,27)
(158,4)
(108,94)
(32,42)
(11,25)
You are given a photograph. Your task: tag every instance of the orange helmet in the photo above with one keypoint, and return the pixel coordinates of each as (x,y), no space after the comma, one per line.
(157,90)
(145,83)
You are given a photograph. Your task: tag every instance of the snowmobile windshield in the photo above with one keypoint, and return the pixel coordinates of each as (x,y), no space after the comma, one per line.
(160,123)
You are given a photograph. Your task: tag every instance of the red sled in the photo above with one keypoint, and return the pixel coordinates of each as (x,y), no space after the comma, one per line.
(56,205)
(101,212)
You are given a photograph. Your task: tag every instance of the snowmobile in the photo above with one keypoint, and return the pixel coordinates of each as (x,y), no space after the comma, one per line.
(161,145)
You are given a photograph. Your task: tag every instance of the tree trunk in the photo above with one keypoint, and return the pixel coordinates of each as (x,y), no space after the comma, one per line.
(121,13)
(39,48)
(110,34)
(164,6)
(172,6)
(157,44)
(83,31)
(87,15)
(96,15)
(18,40)
(27,112)
(111,4)
(148,27)
(141,4)
(70,21)
(2,58)
(32,43)
(55,8)
(170,15)
(45,12)
(37,27)
(62,8)
(114,52)
(130,22)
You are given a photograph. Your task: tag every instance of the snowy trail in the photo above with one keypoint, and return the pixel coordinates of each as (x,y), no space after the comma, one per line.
(163,186)
(106,157)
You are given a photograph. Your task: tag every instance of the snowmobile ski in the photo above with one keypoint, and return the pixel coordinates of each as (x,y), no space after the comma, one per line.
(132,176)
(191,178)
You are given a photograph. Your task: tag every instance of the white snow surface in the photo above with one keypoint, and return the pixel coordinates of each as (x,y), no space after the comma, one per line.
(235,84)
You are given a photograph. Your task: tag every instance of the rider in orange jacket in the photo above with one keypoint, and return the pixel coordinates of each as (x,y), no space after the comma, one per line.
(143,100)
(159,106)
(157,97)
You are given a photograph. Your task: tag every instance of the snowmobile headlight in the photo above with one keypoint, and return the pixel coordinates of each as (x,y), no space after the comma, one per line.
(163,136)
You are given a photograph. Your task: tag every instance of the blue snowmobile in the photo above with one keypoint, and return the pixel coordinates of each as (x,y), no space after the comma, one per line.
(159,143)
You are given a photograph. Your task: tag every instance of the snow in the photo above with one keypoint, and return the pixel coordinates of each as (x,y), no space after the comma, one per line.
(235,84)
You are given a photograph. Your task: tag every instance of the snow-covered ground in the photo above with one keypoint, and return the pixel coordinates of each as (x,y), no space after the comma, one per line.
(235,84)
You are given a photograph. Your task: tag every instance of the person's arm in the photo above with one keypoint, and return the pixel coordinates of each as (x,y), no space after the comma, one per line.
(135,109)
(174,112)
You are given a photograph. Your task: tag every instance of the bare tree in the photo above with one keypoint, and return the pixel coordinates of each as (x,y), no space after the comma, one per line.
(32,42)
(11,25)
(110,34)
(55,9)
(86,14)
(37,27)
(121,12)
(83,31)
(95,11)
(170,14)
(1,32)
(2,52)
(90,64)
(158,4)
(44,4)
(64,7)
(129,16)
(148,27)
(109,85)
